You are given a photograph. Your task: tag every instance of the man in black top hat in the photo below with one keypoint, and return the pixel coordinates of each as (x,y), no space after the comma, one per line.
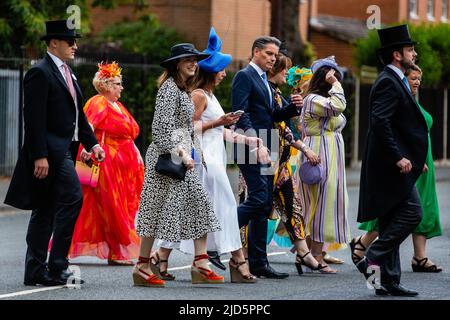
(45,179)
(394,157)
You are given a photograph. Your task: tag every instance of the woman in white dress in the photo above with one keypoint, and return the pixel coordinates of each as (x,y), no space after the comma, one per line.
(210,119)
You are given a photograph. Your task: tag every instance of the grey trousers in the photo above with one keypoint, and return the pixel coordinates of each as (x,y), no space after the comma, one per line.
(394,228)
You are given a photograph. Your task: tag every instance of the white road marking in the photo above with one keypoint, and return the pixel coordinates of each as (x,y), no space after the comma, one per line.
(26,292)
(22,293)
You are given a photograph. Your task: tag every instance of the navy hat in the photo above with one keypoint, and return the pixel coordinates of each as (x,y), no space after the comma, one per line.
(329,62)
(58,29)
(217,61)
(182,50)
(395,36)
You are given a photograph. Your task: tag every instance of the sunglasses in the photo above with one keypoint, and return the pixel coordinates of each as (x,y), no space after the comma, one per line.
(71,42)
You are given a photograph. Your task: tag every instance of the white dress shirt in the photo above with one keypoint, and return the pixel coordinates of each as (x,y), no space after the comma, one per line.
(400,74)
(260,72)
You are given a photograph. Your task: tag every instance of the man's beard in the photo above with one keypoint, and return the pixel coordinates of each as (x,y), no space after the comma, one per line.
(406,64)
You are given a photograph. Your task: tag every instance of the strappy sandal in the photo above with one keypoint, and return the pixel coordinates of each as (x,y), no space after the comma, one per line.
(353,244)
(155,265)
(421,266)
(236,276)
(320,267)
(200,275)
(144,279)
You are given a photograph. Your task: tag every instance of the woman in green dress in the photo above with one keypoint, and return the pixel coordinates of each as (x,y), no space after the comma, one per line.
(426,186)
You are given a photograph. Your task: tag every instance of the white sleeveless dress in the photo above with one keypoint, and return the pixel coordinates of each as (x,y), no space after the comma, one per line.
(216,183)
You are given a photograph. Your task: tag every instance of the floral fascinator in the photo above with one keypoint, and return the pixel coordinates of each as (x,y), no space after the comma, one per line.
(109,70)
(297,76)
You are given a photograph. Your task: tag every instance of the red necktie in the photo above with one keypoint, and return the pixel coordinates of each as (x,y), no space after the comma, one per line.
(69,82)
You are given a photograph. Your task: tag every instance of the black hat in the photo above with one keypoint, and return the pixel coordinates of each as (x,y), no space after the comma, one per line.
(395,36)
(58,29)
(182,50)
(283,49)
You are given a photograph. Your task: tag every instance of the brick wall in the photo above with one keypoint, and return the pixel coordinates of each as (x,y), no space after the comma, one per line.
(358,9)
(191,18)
(326,46)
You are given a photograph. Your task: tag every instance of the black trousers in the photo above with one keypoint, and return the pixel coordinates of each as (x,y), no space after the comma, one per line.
(393,229)
(57,218)
(254,212)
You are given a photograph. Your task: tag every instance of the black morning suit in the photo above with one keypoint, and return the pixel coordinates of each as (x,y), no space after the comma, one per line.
(49,117)
(397,129)
(250,94)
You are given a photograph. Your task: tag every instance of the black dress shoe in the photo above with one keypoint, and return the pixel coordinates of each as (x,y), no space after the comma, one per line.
(66,276)
(268,272)
(44,280)
(395,289)
(214,258)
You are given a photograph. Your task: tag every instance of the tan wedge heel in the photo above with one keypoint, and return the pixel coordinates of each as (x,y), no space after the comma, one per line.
(201,275)
(144,279)
(237,277)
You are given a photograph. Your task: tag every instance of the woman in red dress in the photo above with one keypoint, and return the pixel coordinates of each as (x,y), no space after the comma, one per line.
(105,227)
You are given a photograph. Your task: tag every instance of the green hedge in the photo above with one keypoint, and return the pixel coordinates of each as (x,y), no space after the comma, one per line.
(433,52)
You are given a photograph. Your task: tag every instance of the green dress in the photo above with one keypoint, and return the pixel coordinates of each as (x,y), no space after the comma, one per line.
(430,226)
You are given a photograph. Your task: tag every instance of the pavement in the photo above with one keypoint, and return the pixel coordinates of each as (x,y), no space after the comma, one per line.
(105,282)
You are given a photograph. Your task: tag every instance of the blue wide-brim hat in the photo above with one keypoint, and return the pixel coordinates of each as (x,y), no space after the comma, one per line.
(327,62)
(217,61)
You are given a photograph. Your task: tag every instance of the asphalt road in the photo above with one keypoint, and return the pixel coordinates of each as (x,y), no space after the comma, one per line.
(107,282)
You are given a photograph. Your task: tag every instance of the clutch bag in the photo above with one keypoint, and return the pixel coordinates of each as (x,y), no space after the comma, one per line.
(168,167)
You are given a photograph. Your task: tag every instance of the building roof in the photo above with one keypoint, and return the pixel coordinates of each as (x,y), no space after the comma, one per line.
(345,29)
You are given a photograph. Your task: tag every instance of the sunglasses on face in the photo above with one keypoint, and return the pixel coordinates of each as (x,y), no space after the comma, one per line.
(70,42)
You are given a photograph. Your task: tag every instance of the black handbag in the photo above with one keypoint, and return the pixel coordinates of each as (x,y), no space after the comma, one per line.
(169,168)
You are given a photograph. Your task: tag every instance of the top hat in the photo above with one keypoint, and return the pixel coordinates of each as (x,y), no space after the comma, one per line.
(217,61)
(58,29)
(395,36)
(182,50)
(327,62)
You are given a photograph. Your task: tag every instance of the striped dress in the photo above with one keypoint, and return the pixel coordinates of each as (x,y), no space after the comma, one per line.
(325,204)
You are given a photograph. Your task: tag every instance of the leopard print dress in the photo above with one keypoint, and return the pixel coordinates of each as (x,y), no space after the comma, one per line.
(170,209)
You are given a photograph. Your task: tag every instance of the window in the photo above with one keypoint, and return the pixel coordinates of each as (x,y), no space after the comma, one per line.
(413,9)
(430,10)
(444,16)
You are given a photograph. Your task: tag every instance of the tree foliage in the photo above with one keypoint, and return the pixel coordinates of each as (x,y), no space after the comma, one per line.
(432,48)
(22,22)
(145,36)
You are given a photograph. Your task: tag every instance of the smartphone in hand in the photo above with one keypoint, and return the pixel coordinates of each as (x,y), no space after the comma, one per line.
(238,113)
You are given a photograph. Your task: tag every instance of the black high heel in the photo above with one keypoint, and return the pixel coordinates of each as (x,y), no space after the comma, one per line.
(421,266)
(298,265)
(353,244)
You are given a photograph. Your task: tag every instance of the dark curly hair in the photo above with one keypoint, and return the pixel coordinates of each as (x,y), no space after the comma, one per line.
(318,84)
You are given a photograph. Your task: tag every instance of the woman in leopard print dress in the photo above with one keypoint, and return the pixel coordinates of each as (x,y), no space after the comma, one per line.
(172,209)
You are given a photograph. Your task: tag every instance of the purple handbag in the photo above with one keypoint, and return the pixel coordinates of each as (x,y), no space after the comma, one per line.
(310,174)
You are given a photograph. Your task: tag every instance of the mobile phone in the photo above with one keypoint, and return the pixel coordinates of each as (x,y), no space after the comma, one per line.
(238,112)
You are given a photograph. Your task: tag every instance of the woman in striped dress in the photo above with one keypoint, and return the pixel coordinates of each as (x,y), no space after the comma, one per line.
(325,204)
